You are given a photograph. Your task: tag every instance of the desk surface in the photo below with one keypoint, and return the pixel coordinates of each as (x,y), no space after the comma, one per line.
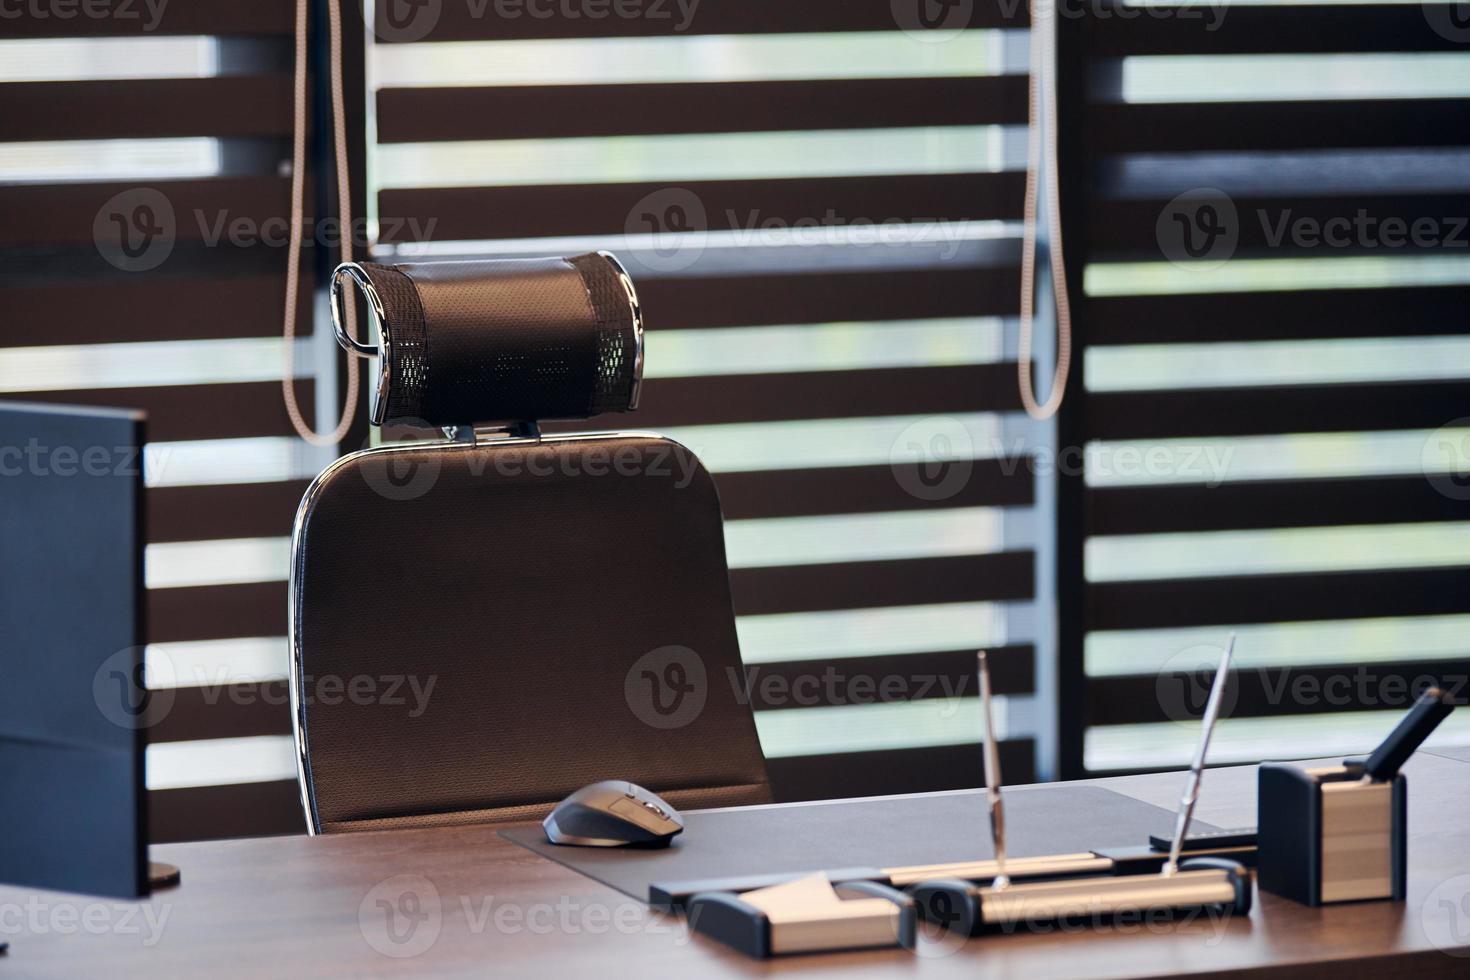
(465,902)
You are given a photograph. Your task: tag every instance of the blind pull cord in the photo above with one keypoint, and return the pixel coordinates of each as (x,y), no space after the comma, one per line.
(344,208)
(1041,167)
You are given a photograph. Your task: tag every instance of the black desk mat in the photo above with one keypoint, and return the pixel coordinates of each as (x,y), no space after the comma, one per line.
(883,832)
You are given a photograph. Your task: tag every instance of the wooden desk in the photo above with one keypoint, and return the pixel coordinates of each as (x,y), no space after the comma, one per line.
(307,907)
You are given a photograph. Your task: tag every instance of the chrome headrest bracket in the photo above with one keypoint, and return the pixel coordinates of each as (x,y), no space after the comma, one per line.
(352,345)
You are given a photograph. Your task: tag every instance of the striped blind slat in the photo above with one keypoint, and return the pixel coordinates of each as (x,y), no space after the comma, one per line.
(487,21)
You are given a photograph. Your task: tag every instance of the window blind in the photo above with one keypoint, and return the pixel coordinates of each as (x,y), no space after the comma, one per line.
(142,188)
(1266,213)
(821,212)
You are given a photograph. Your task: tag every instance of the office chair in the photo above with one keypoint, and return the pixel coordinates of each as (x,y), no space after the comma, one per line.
(519,614)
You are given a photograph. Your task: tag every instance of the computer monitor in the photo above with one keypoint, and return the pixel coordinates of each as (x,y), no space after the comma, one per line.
(73,706)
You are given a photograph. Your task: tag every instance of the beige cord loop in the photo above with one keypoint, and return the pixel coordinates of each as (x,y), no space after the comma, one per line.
(1043,63)
(344,209)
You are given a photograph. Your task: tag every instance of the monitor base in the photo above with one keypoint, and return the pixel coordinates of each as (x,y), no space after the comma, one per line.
(162,875)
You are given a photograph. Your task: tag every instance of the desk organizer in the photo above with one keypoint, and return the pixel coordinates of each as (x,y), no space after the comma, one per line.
(1216,884)
(1327,835)
(1237,844)
(1339,833)
(807,915)
(1213,883)
(812,913)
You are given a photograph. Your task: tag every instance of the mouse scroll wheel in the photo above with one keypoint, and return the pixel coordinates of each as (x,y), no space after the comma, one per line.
(654,808)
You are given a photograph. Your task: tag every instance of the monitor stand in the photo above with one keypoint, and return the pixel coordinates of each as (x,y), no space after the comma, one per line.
(162,875)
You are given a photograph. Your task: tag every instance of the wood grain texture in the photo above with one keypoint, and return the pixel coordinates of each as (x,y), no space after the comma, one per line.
(307,907)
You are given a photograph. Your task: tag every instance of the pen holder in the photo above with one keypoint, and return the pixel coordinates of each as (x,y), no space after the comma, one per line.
(806,915)
(1328,834)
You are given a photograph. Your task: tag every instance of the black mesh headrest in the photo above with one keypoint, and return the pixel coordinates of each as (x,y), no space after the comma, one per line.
(500,340)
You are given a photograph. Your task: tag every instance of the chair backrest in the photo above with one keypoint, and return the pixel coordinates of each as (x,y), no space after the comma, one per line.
(481,627)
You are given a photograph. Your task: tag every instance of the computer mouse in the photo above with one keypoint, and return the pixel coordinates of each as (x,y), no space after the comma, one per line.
(613,813)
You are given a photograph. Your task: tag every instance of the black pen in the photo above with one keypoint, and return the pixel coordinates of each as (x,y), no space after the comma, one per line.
(1428,711)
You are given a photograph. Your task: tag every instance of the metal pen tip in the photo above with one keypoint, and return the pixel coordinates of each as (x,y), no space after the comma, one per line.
(1211,716)
(992,776)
